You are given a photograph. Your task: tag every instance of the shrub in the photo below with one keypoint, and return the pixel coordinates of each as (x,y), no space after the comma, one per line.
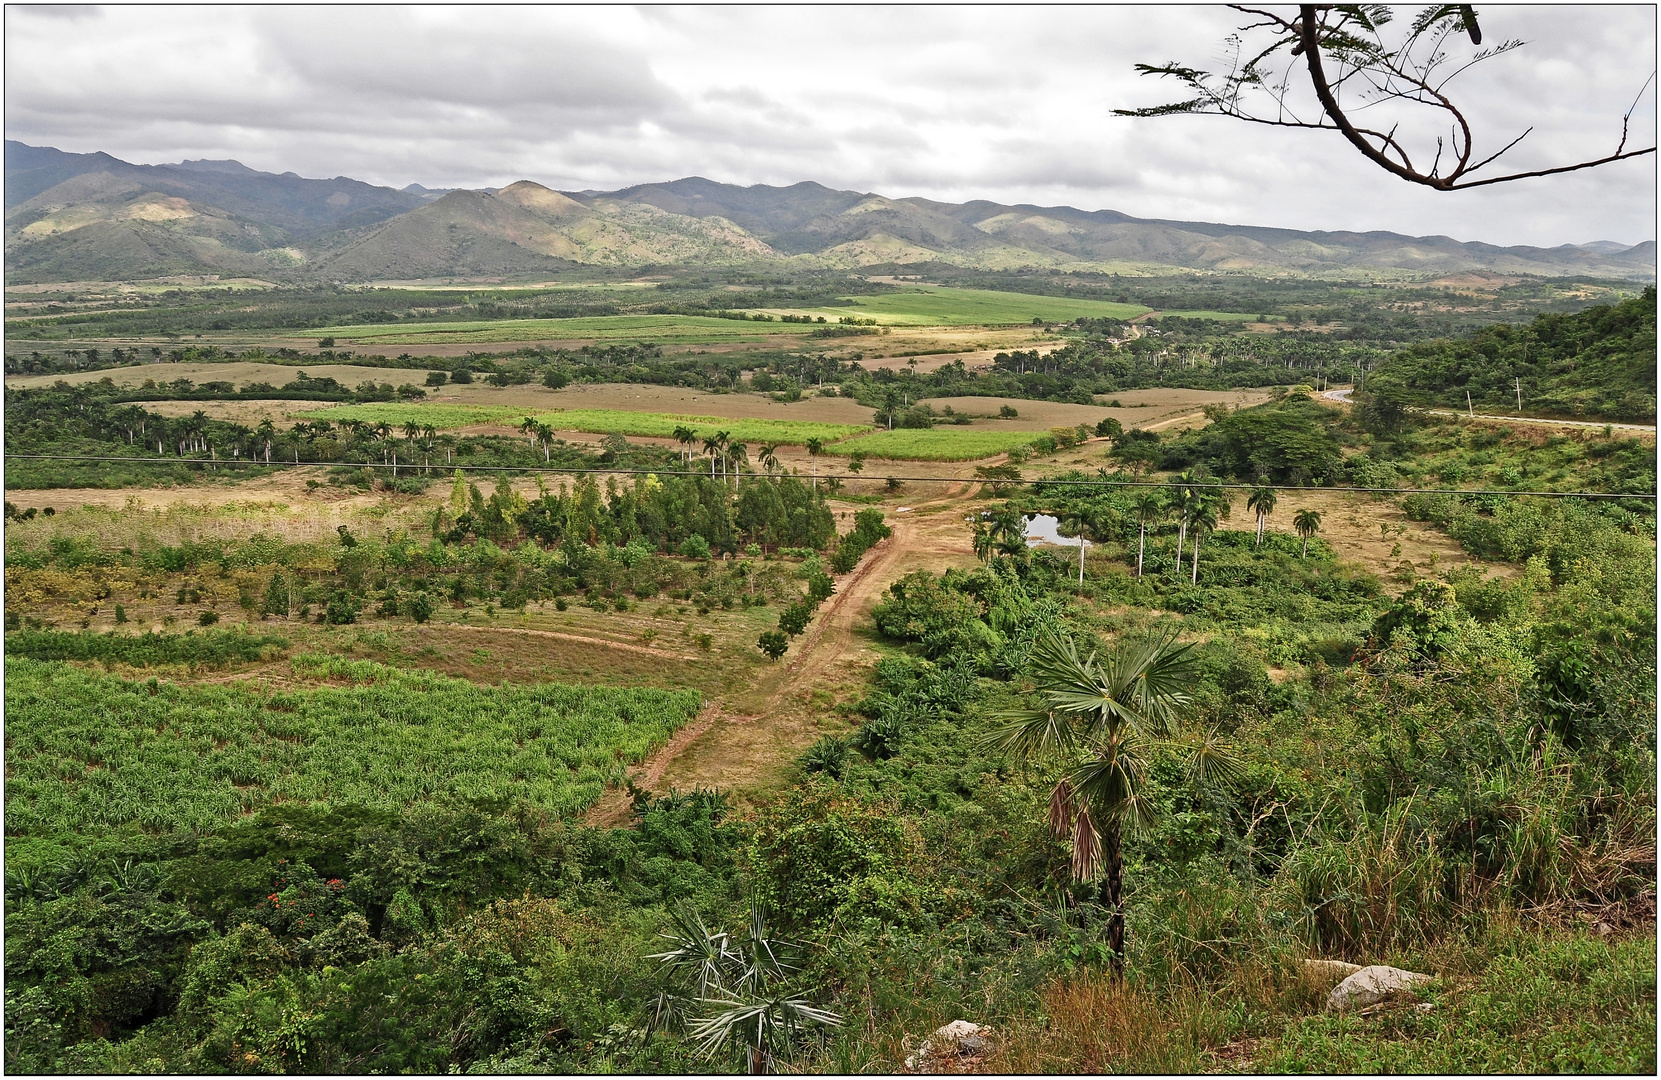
(421,607)
(694,547)
(793,619)
(773,643)
(342,608)
(207,618)
(828,756)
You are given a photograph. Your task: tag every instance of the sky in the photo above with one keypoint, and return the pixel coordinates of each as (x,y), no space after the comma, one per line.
(1010,104)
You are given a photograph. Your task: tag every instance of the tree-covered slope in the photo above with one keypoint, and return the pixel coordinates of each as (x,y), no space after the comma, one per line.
(1598,364)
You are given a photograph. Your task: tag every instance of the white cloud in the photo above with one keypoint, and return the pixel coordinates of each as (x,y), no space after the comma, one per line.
(1004,103)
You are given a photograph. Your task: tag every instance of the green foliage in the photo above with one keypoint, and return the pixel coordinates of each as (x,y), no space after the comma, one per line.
(1294,441)
(773,643)
(1596,363)
(212,649)
(202,754)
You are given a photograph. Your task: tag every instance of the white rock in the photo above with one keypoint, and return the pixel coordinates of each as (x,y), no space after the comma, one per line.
(1329,971)
(1372,984)
(957,1031)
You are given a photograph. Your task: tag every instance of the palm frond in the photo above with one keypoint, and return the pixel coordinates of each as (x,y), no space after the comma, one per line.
(1063,808)
(1087,847)
(1030,732)
(1213,762)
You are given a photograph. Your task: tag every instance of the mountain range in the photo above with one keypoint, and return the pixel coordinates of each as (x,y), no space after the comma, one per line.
(79,217)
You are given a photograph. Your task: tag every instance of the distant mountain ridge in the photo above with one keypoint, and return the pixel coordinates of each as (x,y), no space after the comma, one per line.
(93,216)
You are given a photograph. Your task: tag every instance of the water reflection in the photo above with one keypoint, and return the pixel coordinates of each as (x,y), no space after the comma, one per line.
(1046,529)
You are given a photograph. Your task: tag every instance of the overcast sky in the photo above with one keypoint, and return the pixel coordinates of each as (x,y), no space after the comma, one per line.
(1011,104)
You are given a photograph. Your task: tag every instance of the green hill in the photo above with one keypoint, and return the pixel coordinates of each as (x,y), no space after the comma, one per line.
(1597,364)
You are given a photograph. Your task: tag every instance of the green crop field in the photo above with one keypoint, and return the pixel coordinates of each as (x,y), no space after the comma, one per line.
(597,421)
(678,329)
(976,307)
(89,752)
(438,415)
(937,444)
(663,425)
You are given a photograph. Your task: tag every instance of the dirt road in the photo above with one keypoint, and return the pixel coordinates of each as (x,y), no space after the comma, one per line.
(745,738)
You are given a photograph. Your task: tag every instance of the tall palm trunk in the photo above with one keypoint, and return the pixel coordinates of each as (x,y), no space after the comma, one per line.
(1182,539)
(1114,886)
(1141,542)
(1081,558)
(1196,580)
(1259,531)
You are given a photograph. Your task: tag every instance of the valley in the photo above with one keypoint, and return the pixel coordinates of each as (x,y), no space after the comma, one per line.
(422,606)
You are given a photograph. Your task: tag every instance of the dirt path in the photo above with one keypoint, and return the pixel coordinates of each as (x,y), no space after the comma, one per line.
(741,740)
(610,643)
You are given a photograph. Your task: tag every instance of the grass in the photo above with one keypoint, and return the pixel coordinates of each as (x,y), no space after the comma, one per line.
(440,416)
(936,444)
(679,329)
(91,752)
(599,421)
(976,307)
(1537,1001)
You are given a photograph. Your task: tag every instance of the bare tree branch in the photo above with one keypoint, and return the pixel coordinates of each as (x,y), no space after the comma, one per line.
(1341,45)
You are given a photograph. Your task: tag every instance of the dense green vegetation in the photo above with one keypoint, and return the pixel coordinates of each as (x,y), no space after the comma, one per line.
(1595,364)
(378,869)
(1423,770)
(96,420)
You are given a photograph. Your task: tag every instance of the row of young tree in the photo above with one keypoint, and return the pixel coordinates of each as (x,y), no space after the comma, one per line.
(692,515)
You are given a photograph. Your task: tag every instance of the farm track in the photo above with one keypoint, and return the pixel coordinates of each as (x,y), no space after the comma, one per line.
(610,643)
(829,642)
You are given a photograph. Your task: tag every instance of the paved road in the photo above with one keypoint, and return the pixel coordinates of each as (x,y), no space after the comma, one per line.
(1342,396)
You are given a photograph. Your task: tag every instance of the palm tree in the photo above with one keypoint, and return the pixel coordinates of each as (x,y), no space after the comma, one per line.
(412,430)
(768,456)
(722,441)
(712,447)
(1009,531)
(740,455)
(1182,501)
(745,981)
(1106,715)
(1261,502)
(545,436)
(686,437)
(815,447)
(1150,508)
(982,534)
(1204,519)
(527,428)
(1077,524)
(1307,522)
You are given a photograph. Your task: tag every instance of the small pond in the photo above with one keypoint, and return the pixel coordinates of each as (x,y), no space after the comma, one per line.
(1046,529)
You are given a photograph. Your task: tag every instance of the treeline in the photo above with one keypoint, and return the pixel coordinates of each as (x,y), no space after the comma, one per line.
(1598,363)
(99,420)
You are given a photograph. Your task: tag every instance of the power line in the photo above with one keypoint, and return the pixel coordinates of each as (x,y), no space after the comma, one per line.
(1034,481)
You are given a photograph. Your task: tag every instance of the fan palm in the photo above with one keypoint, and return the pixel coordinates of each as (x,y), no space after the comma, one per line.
(1307,522)
(745,984)
(1261,502)
(1106,715)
